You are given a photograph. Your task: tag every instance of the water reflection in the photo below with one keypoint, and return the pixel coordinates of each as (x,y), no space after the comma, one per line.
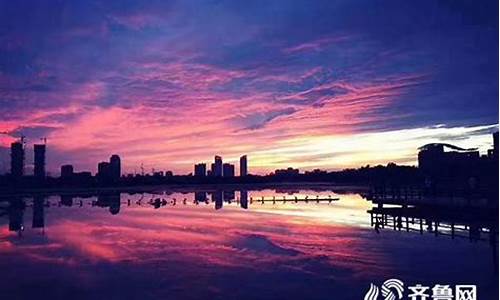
(251,239)
(38,212)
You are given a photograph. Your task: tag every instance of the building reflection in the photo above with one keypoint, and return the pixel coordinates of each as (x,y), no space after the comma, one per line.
(229,195)
(217,197)
(67,200)
(244,199)
(38,212)
(15,212)
(472,223)
(200,197)
(110,200)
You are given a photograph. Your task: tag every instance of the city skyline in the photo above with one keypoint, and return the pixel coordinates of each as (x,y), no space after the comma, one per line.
(431,156)
(310,85)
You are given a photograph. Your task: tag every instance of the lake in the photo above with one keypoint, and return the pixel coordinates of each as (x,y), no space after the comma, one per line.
(232,245)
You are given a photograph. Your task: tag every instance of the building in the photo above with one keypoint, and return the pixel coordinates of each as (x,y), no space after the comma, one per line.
(228,170)
(217,167)
(66,171)
(103,170)
(109,171)
(17,159)
(243,166)
(288,172)
(115,167)
(448,168)
(39,151)
(83,177)
(435,162)
(200,170)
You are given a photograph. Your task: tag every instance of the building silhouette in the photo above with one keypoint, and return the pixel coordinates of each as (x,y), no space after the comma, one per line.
(115,167)
(243,166)
(108,172)
(288,172)
(228,170)
(103,171)
(217,167)
(82,177)
(17,159)
(66,171)
(447,167)
(200,170)
(434,161)
(39,152)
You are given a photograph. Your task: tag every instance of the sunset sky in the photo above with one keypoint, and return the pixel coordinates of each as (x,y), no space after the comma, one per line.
(312,84)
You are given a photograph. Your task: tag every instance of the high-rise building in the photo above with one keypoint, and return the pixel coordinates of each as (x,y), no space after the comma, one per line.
(17,159)
(66,171)
(115,167)
(39,150)
(217,167)
(243,166)
(228,170)
(200,170)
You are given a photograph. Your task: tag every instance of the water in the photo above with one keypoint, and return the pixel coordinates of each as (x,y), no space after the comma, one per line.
(105,248)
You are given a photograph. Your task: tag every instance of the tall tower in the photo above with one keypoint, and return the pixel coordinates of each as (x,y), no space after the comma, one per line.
(17,159)
(243,166)
(115,167)
(39,150)
(217,172)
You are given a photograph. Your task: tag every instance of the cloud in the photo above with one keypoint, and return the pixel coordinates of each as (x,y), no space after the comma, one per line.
(169,83)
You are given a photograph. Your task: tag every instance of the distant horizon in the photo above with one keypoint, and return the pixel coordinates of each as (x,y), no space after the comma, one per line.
(482,148)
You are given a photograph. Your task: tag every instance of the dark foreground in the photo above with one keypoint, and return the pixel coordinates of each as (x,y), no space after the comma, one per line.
(97,248)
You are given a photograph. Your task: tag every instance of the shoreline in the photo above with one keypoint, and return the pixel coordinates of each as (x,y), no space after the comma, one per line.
(325,186)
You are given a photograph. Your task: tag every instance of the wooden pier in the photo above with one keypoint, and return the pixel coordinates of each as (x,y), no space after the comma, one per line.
(416,197)
(475,225)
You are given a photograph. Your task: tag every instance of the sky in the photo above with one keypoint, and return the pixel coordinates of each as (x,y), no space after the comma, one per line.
(324,84)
